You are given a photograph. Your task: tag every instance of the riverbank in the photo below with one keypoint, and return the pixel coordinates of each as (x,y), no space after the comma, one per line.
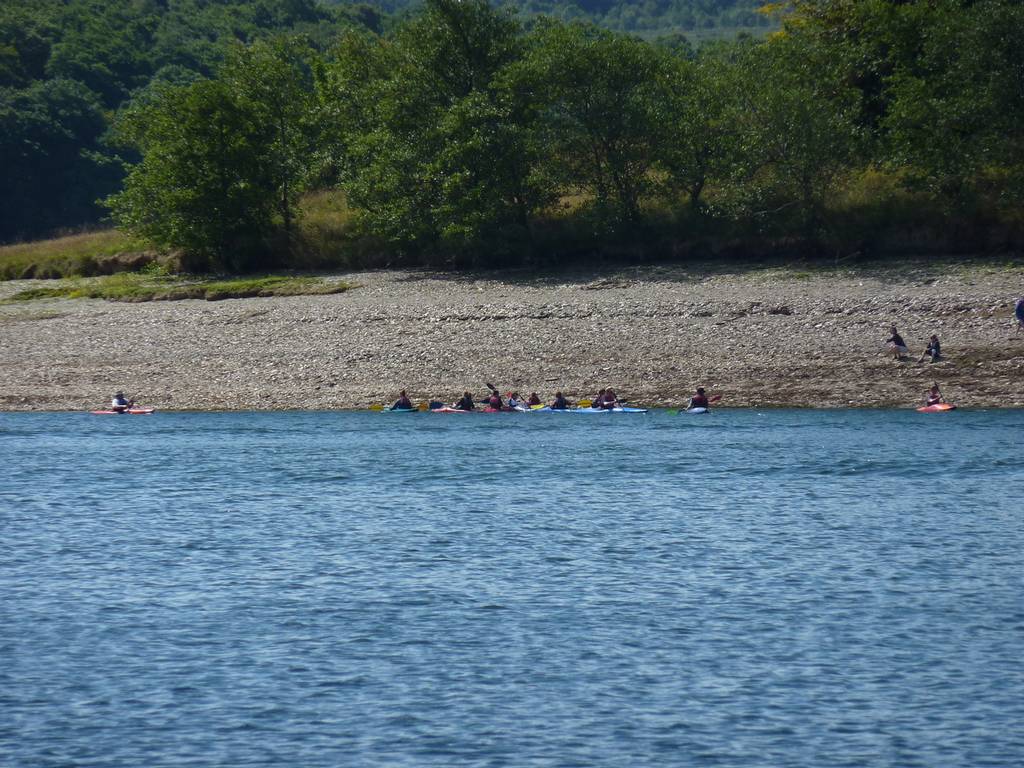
(759,336)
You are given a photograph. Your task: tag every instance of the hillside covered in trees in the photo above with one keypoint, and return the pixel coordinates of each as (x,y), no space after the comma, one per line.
(625,15)
(461,134)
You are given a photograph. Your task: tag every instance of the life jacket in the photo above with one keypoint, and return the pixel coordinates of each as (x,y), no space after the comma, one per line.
(699,401)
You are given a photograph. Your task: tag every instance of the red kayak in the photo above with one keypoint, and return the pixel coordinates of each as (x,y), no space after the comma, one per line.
(937,408)
(449,409)
(129,411)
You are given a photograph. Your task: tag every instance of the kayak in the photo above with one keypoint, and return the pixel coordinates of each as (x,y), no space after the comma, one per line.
(694,410)
(605,410)
(449,409)
(401,410)
(130,411)
(937,408)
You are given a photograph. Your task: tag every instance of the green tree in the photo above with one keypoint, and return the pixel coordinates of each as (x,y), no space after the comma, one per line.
(699,145)
(435,145)
(602,113)
(223,161)
(798,128)
(54,166)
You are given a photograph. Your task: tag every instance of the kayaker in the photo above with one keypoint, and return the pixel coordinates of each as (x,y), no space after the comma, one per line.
(120,404)
(699,400)
(609,400)
(560,403)
(513,401)
(494,401)
(598,401)
(403,403)
(534,400)
(465,403)
(1018,312)
(897,345)
(933,396)
(932,350)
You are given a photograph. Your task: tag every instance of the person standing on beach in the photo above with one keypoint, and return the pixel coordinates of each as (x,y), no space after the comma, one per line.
(1018,312)
(897,345)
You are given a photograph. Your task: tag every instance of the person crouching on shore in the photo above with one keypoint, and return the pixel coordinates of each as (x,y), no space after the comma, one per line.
(933,350)
(897,345)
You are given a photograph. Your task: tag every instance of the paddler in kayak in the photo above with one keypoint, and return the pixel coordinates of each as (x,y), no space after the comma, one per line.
(699,400)
(465,403)
(403,403)
(534,400)
(933,396)
(608,400)
(560,403)
(120,404)
(494,401)
(513,401)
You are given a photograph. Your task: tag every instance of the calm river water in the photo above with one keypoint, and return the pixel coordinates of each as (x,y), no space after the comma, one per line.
(784,588)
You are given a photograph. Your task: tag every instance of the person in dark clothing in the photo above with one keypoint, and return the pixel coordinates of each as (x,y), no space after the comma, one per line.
(465,403)
(933,350)
(897,345)
(403,403)
(534,400)
(560,403)
(699,400)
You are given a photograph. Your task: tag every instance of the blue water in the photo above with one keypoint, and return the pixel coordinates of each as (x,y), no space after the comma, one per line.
(792,588)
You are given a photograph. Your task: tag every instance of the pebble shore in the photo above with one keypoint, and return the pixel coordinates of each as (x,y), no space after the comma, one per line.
(760,337)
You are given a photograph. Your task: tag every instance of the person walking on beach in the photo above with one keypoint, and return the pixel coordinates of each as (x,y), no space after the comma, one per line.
(897,345)
(932,350)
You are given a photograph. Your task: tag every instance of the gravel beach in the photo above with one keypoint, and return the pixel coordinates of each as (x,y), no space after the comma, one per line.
(758,336)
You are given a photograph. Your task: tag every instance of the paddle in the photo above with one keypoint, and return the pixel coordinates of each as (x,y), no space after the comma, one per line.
(584,403)
(376,407)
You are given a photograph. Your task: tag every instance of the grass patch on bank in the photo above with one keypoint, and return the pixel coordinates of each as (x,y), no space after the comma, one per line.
(91,253)
(138,287)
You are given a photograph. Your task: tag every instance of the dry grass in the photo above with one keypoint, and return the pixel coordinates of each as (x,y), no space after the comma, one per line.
(85,254)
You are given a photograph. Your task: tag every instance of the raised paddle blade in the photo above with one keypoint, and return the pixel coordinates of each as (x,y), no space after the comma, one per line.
(584,403)
(422,407)
(535,407)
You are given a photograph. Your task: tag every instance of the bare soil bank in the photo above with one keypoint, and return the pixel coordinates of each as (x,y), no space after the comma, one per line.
(760,337)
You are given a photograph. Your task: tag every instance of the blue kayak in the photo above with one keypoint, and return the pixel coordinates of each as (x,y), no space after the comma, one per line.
(605,410)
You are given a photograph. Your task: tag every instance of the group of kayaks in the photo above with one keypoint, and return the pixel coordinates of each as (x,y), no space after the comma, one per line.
(537,409)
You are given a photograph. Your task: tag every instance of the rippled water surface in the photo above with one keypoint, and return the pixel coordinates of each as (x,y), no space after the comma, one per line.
(807,588)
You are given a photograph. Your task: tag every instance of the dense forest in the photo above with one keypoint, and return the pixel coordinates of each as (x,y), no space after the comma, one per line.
(626,15)
(460,133)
